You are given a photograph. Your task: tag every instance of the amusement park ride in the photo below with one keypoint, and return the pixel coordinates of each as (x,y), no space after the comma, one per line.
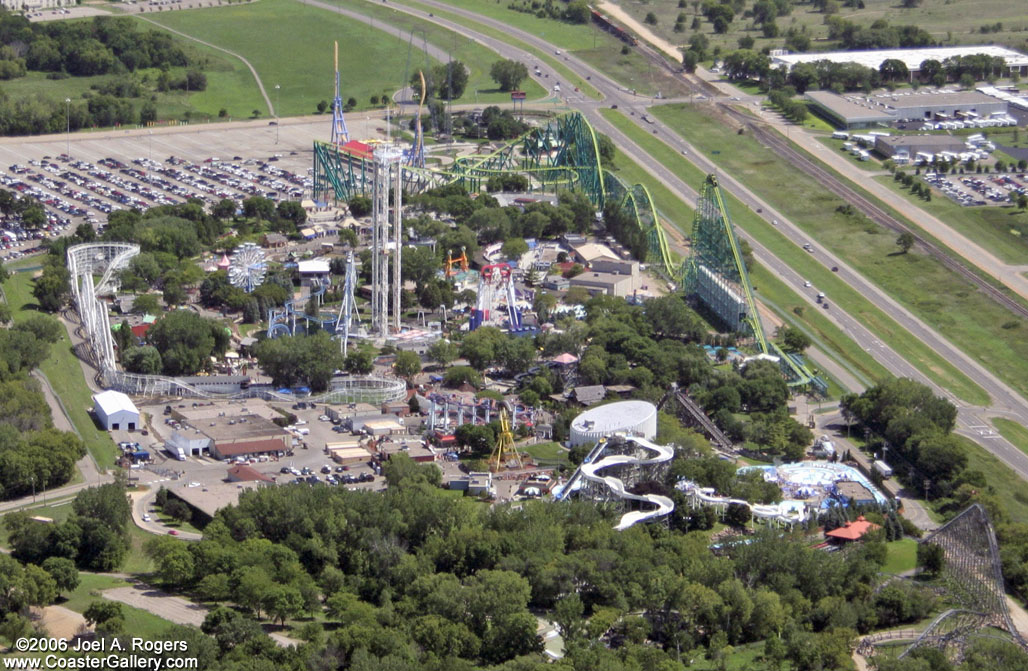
(561,152)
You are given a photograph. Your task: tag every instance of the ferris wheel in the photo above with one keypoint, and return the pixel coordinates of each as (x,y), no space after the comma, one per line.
(247,267)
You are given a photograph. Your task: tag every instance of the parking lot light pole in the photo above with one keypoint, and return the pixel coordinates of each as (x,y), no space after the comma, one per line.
(67,120)
(276,113)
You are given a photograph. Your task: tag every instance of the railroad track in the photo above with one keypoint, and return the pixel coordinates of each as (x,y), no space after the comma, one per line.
(783,148)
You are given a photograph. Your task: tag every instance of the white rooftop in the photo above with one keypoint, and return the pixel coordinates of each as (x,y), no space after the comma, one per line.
(114,401)
(911,57)
(315,266)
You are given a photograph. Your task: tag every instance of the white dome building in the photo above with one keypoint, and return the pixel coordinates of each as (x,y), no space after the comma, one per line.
(635,418)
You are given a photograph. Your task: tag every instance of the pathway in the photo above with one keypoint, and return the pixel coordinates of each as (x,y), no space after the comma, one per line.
(256,77)
(620,15)
(172,608)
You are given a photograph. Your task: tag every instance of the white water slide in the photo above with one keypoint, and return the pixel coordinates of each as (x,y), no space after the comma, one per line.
(662,505)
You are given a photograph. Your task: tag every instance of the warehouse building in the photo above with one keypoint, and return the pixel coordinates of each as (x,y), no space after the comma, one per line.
(115,411)
(848,112)
(934,105)
(912,145)
(635,418)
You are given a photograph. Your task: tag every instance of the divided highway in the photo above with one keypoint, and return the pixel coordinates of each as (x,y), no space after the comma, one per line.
(972,420)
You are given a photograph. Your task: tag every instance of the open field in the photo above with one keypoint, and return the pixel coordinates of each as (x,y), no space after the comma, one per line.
(303,68)
(63,370)
(949,22)
(900,556)
(982,328)
(138,622)
(752,224)
(992,227)
(1003,482)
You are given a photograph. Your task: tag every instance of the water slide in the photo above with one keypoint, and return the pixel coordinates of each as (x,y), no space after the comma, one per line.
(789,512)
(661,505)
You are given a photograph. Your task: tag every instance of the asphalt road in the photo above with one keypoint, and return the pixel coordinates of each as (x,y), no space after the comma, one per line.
(971,420)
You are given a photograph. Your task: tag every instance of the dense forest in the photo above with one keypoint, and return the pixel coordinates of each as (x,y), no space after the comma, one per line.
(142,62)
(33,454)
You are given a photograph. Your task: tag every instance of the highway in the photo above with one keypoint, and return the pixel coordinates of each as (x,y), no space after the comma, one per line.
(971,419)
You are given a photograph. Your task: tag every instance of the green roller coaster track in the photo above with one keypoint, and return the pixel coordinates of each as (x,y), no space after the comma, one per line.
(562,153)
(716,249)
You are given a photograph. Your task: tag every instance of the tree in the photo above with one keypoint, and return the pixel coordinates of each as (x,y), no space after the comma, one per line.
(147,304)
(359,362)
(408,364)
(145,360)
(63,572)
(905,241)
(794,340)
(478,438)
(360,206)
(480,346)
(651,18)
(442,351)
(508,74)
(419,265)
(307,360)
(568,616)
(514,248)
(105,616)
(672,318)
(186,341)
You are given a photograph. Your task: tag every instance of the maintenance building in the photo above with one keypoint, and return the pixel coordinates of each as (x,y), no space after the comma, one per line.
(115,411)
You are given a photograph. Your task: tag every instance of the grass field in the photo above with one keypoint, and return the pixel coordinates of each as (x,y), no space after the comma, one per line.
(906,344)
(265,34)
(547,454)
(1012,431)
(989,226)
(900,556)
(1006,484)
(982,328)
(64,372)
(949,22)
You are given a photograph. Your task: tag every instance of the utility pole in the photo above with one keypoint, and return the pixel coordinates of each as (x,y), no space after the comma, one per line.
(67,119)
(277,87)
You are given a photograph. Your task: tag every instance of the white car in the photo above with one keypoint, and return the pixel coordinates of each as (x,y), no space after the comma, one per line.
(146,518)
(324,418)
(807,283)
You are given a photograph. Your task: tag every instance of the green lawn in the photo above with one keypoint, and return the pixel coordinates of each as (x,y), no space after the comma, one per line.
(547,454)
(264,33)
(752,224)
(1012,431)
(900,556)
(1007,485)
(950,304)
(63,370)
(992,227)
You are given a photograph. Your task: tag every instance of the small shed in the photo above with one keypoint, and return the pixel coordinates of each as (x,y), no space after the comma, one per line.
(115,411)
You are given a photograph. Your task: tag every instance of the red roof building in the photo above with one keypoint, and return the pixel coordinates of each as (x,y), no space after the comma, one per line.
(140,330)
(357,149)
(852,531)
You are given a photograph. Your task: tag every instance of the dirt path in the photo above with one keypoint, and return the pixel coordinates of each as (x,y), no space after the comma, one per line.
(172,608)
(642,31)
(1018,616)
(61,622)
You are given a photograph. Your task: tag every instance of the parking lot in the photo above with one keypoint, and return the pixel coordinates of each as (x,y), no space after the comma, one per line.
(308,458)
(86,176)
(970,190)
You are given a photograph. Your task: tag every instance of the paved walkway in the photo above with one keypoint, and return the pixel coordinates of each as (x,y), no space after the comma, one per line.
(172,608)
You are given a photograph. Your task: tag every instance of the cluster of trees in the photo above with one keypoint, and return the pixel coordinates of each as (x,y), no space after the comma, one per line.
(576,11)
(794,110)
(508,74)
(879,35)
(94,537)
(27,585)
(307,360)
(452,582)
(103,45)
(444,82)
(185,342)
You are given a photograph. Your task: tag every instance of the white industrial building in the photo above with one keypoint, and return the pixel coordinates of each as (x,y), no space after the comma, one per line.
(635,418)
(1014,61)
(115,411)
